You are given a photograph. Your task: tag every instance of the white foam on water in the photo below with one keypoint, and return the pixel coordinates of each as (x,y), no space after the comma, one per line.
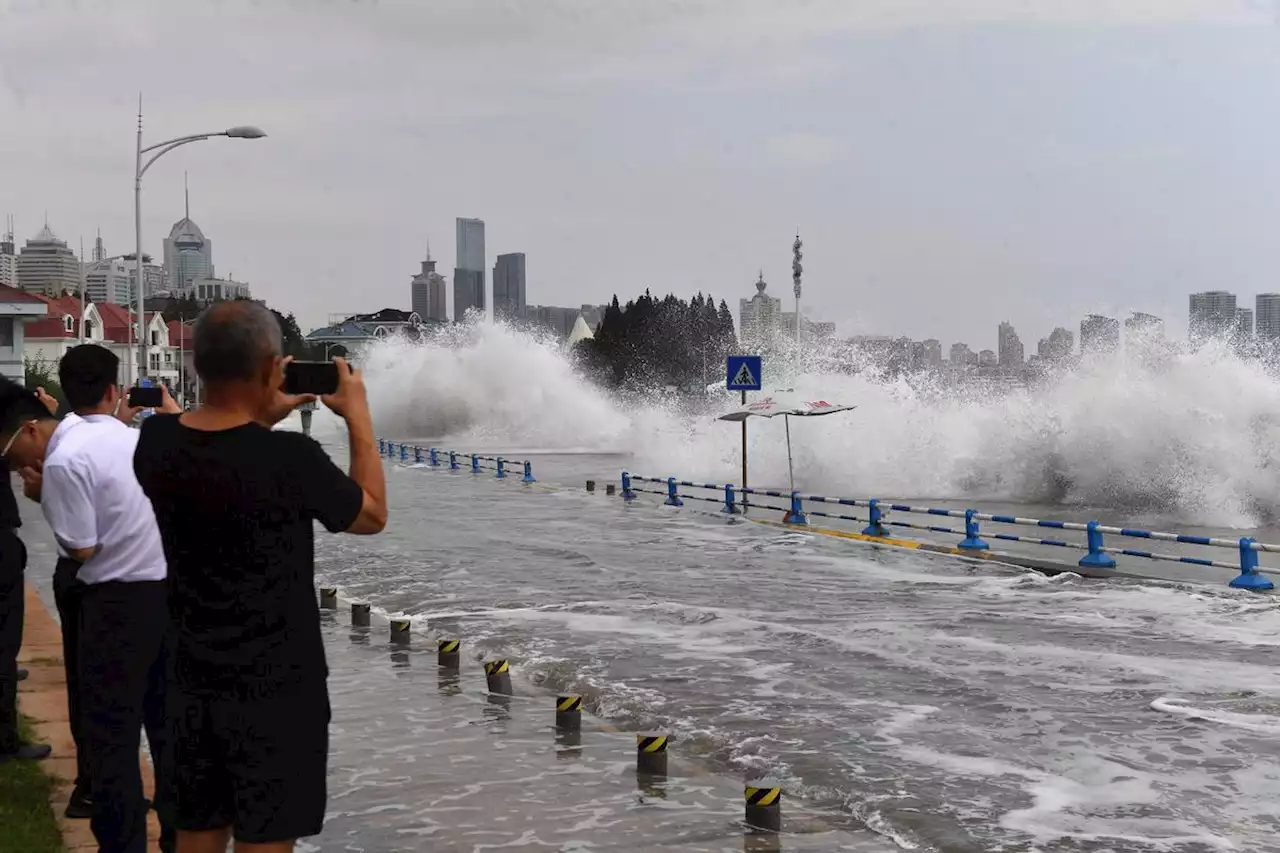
(1267,724)
(1196,437)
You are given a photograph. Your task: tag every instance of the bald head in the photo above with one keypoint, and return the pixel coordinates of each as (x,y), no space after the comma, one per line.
(233,340)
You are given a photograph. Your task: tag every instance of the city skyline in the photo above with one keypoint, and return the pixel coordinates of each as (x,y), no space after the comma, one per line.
(986,155)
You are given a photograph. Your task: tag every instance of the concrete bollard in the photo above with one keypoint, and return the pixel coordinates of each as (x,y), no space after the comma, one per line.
(498,674)
(610,489)
(651,755)
(400,631)
(764,808)
(591,485)
(360,613)
(448,654)
(329,597)
(569,713)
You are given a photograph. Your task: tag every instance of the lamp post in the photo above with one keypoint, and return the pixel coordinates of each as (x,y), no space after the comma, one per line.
(796,270)
(140,169)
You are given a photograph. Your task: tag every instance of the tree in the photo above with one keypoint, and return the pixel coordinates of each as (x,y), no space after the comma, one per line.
(42,373)
(184,308)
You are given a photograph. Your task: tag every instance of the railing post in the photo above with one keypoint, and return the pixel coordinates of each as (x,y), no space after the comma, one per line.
(417,453)
(475,464)
(502,469)
(404,452)
(627,493)
(795,515)
(875,519)
(1249,578)
(453,460)
(382,447)
(971,541)
(1096,558)
(673,496)
(435,457)
(730,504)
(528,472)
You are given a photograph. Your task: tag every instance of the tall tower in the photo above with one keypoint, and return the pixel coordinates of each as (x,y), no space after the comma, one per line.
(99,250)
(427,292)
(8,255)
(796,270)
(468,274)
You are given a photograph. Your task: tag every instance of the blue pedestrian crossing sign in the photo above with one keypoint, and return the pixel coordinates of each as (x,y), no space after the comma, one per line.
(743,373)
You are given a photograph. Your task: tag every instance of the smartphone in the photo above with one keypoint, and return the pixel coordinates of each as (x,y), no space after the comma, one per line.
(311,377)
(146,398)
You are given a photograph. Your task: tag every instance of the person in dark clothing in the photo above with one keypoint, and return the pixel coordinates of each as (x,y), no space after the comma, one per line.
(236,502)
(13,564)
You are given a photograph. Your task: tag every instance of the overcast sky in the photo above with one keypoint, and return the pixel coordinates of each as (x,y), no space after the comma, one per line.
(950,163)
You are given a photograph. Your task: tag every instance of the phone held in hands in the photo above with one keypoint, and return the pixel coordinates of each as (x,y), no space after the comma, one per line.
(311,377)
(142,397)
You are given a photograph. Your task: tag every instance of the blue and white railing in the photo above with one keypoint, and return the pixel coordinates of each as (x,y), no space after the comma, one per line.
(456,460)
(1097,556)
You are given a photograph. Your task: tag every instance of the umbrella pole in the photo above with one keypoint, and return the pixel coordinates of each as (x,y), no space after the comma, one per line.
(791,474)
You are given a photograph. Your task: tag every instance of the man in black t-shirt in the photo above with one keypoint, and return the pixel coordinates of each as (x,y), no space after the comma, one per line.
(236,502)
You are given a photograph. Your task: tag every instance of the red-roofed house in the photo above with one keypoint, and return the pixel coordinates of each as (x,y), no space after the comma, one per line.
(17,308)
(106,324)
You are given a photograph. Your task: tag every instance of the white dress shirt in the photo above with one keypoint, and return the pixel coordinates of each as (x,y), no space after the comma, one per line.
(90,497)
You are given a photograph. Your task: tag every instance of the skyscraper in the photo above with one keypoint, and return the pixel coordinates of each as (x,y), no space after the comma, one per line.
(468,275)
(46,266)
(1213,314)
(1268,316)
(188,254)
(1010,346)
(8,256)
(1058,347)
(109,281)
(508,287)
(427,292)
(1099,334)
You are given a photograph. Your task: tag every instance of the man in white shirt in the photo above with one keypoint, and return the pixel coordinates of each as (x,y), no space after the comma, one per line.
(103,521)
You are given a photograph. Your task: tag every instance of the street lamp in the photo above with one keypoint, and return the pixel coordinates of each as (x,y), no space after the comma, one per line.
(161,149)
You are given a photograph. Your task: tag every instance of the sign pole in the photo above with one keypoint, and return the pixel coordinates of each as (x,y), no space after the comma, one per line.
(744,455)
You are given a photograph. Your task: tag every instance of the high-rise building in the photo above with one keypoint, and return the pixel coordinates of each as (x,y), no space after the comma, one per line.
(1058,347)
(1244,325)
(1009,346)
(152,274)
(468,274)
(1099,334)
(986,358)
(8,256)
(46,266)
(1268,316)
(1213,315)
(188,254)
(759,316)
(109,281)
(427,290)
(508,286)
(931,352)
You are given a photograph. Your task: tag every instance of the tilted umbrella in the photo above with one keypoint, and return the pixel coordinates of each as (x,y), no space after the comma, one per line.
(788,404)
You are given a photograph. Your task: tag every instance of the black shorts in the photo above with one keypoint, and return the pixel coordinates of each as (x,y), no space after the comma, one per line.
(256,765)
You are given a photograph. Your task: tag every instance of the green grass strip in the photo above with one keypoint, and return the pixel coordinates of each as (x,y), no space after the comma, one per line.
(27,824)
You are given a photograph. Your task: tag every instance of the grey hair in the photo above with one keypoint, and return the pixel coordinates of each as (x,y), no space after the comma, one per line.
(233,339)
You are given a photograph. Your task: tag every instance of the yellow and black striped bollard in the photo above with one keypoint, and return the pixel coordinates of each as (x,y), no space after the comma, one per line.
(569,713)
(764,808)
(360,613)
(400,631)
(448,655)
(329,597)
(651,755)
(498,674)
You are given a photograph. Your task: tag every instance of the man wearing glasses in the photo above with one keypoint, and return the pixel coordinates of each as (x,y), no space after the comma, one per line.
(106,532)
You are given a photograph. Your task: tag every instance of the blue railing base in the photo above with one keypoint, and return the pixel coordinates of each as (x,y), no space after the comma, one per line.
(795,515)
(973,543)
(1253,582)
(1096,561)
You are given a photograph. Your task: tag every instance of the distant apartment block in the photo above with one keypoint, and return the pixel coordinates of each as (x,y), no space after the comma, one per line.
(1009,345)
(1099,334)
(1268,316)
(1213,314)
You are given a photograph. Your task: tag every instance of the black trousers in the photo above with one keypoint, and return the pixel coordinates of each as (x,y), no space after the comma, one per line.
(66,596)
(13,561)
(124,658)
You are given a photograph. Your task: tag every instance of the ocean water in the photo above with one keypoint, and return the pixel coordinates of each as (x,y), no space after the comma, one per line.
(937,704)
